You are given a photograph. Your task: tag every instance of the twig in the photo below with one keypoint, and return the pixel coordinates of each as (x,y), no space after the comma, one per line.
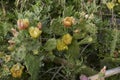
(64,62)
(61,75)
(84,49)
(56,72)
(107,74)
(48,71)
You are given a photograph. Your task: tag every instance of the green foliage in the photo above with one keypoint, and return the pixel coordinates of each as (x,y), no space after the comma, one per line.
(50,44)
(73,51)
(68,11)
(19,54)
(56,27)
(33,65)
(114,41)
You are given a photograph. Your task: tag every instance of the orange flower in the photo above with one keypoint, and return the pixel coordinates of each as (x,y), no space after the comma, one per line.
(68,21)
(17,70)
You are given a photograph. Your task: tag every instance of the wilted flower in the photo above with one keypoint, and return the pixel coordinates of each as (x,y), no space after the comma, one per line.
(7,58)
(14,32)
(11,47)
(39,25)
(17,70)
(22,24)
(11,42)
(6,69)
(82,14)
(61,45)
(67,39)
(91,16)
(34,32)
(68,21)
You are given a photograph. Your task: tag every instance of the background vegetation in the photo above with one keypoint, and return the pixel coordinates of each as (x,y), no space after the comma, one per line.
(58,50)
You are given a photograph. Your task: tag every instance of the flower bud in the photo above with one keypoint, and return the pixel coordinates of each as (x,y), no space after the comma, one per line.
(39,25)
(68,21)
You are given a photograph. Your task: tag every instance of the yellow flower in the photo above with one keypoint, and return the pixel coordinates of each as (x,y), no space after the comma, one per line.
(34,32)
(17,70)
(61,45)
(118,1)
(110,5)
(67,39)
